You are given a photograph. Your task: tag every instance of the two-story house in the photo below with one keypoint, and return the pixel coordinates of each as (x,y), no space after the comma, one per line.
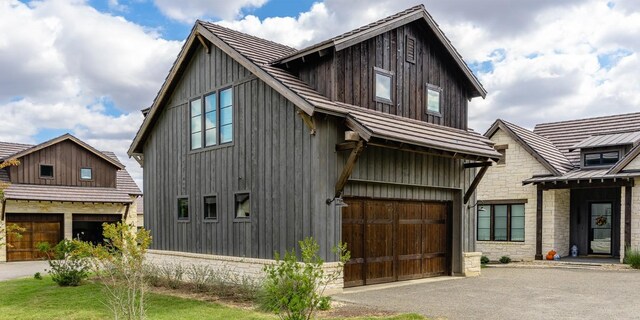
(563,184)
(62,188)
(251,146)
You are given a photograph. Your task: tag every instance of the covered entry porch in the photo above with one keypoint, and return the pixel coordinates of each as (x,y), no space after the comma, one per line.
(590,211)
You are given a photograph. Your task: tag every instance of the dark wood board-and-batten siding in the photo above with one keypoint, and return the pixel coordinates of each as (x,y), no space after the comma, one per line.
(352,70)
(67,158)
(273,156)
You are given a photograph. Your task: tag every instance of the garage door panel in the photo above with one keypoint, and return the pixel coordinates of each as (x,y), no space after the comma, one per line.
(40,228)
(352,235)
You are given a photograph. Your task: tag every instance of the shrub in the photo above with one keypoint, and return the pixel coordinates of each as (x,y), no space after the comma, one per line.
(120,265)
(325,303)
(632,257)
(65,267)
(293,290)
(37,276)
(505,259)
(199,276)
(484,260)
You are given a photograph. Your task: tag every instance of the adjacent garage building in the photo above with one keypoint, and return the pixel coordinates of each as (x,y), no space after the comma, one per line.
(62,188)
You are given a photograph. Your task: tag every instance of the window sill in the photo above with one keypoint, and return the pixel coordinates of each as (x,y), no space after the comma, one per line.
(205,220)
(211,148)
(241,220)
(512,243)
(433,113)
(183,220)
(383,100)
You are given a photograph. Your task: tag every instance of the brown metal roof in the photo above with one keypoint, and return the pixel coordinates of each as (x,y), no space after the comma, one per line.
(540,147)
(9,148)
(381,125)
(566,134)
(65,194)
(583,175)
(608,140)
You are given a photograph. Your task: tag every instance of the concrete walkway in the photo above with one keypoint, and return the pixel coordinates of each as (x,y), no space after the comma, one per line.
(513,293)
(15,270)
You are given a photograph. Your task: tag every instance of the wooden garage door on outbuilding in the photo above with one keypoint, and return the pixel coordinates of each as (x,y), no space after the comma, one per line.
(38,228)
(395,240)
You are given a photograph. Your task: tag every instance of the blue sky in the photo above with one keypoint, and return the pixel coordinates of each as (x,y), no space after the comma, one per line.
(87,67)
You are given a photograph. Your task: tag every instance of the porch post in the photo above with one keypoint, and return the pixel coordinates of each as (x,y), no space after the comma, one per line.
(539,224)
(627,216)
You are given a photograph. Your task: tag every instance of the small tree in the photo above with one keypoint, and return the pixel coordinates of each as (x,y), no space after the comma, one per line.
(66,268)
(120,265)
(294,290)
(11,229)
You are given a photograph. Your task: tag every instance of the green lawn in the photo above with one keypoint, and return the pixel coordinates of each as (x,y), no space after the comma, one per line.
(43,299)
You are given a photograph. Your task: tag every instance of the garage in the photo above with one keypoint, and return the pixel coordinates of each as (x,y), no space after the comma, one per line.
(38,228)
(395,240)
(88,227)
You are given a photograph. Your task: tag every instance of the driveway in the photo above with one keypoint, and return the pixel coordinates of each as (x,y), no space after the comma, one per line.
(513,293)
(14,270)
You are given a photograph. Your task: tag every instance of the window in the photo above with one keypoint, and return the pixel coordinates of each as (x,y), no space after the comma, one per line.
(501,222)
(183,208)
(433,98)
(212,121)
(46,171)
(210,208)
(86,174)
(243,205)
(383,85)
(601,159)
(502,149)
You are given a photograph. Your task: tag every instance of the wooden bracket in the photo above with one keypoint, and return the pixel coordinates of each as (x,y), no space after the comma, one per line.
(308,120)
(348,168)
(349,145)
(126,211)
(204,43)
(474,184)
(477,164)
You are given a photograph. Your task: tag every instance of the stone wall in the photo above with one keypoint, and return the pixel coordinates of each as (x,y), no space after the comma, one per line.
(471,264)
(68,209)
(240,266)
(504,182)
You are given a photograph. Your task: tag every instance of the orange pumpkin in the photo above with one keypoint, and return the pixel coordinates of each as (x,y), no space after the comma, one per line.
(551,254)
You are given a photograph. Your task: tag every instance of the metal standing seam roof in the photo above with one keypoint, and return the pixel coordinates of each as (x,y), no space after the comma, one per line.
(582,175)
(539,144)
(608,140)
(566,134)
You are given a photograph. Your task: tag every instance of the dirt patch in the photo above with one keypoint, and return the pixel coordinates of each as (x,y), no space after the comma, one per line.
(341,309)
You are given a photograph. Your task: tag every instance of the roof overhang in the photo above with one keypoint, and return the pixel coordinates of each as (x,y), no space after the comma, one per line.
(583,178)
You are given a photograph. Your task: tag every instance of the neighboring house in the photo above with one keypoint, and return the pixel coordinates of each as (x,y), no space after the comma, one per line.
(63,188)
(140,212)
(563,184)
(251,146)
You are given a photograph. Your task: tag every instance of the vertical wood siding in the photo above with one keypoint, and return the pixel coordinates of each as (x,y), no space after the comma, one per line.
(67,158)
(352,71)
(273,156)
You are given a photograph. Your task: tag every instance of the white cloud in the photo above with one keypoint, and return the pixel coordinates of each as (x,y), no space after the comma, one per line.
(189,10)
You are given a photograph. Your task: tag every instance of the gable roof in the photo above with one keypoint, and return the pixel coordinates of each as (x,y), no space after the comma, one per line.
(630,156)
(565,134)
(125,185)
(538,146)
(383,25)
(609,140)
(64,137)
(256,55)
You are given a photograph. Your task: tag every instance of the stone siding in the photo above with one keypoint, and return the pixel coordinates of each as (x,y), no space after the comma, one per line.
(68,209)
(472,265)
(239,266)
(502,182)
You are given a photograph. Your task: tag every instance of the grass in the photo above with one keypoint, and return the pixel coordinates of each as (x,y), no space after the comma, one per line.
(43,299)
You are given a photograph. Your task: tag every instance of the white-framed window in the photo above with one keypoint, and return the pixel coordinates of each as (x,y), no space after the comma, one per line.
(434,102)
(383,86)
(86,174)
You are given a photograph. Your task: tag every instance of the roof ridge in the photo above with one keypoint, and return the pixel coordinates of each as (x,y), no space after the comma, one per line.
(590,118)
(247,35)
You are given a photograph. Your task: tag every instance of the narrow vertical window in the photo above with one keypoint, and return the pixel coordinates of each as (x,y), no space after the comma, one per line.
(243,205)
(210,120)
(484,223)
(210,208)
(196,124)
(433,98)
(226,115)
(183,208)
(500,223)
(517,222)
(383,85)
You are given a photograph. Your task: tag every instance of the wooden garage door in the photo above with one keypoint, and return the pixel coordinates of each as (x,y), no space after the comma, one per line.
(395,240)
(38,228)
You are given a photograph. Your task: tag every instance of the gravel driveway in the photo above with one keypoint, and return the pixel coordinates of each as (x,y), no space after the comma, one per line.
(14,270)
(514,293)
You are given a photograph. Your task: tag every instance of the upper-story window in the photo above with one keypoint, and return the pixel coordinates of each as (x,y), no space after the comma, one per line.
(601,158)
(183,208)
(383,85)
(433,98)
(86,174)
(46,171)
(212,121)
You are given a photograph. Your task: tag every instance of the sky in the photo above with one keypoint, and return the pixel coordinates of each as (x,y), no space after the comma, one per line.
(87,67)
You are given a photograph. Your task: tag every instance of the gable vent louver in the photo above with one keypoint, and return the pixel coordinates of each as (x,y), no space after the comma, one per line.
(410,50)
